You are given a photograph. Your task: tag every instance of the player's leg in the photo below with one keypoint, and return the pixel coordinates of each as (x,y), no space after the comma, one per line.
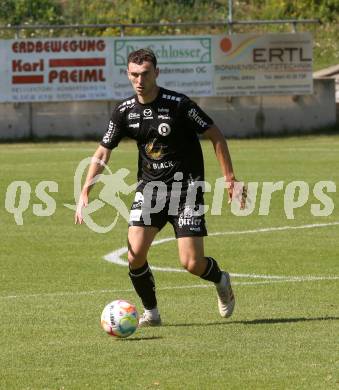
(191,255)
(192,258)
(139,241)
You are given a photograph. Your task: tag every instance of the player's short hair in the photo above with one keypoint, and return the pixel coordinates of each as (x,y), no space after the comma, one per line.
(142,55)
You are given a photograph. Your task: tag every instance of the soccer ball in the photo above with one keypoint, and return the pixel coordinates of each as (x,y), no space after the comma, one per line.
(119,318)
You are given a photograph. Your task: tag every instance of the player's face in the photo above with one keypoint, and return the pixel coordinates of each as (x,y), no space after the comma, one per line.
(143,78)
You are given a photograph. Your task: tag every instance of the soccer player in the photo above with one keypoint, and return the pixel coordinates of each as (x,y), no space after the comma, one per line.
(165,125)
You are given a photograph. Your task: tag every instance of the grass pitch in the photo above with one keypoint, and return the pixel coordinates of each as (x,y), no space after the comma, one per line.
(54,282)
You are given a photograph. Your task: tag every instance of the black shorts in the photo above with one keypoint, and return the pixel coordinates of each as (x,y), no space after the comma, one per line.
(184,215)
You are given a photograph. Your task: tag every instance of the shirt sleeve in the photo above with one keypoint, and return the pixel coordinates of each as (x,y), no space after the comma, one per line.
(193,116)
(115,130)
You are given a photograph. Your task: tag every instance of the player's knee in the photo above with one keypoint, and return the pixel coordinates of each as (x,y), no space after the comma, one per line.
(136,259)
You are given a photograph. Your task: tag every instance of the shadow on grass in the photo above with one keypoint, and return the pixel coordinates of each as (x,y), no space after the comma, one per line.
(139,338)
(260,321)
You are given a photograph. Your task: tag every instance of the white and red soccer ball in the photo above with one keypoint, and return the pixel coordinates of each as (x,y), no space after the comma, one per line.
(120,318)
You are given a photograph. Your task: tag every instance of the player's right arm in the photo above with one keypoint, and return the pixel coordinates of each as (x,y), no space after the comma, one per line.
(115,131)
(99,159)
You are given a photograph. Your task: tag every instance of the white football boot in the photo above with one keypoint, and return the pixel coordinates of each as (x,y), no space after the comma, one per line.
(150,318)
(226,300)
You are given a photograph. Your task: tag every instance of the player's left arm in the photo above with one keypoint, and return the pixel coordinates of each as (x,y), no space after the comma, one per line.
(222,153)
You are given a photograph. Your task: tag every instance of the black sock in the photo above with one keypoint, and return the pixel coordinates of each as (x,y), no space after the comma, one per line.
(143,282)
(212,272)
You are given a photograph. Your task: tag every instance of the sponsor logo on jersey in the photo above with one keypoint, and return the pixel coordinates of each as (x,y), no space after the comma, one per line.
(133,115)
(188,218)
(188,212)
(138,201)
(135,215)
(193,114)
(194,222)
(136,211)
(195,229)
(162,165)
(147,113)
(154,151)
(134,125)
(126,104)
(164,117)
(109,133)
(171,97)
(164,129)
(163,110)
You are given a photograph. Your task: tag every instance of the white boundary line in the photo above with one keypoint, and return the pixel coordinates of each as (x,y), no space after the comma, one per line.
(115,257)
(184,287)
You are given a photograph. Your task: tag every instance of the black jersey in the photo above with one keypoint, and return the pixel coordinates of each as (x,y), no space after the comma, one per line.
(166,132)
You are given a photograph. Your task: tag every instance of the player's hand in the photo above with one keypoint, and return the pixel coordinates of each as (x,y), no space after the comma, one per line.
(236,191)
(83,202)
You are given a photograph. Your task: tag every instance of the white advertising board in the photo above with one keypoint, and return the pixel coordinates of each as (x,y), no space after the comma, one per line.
(56,70)
(63,69)
(270,64)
